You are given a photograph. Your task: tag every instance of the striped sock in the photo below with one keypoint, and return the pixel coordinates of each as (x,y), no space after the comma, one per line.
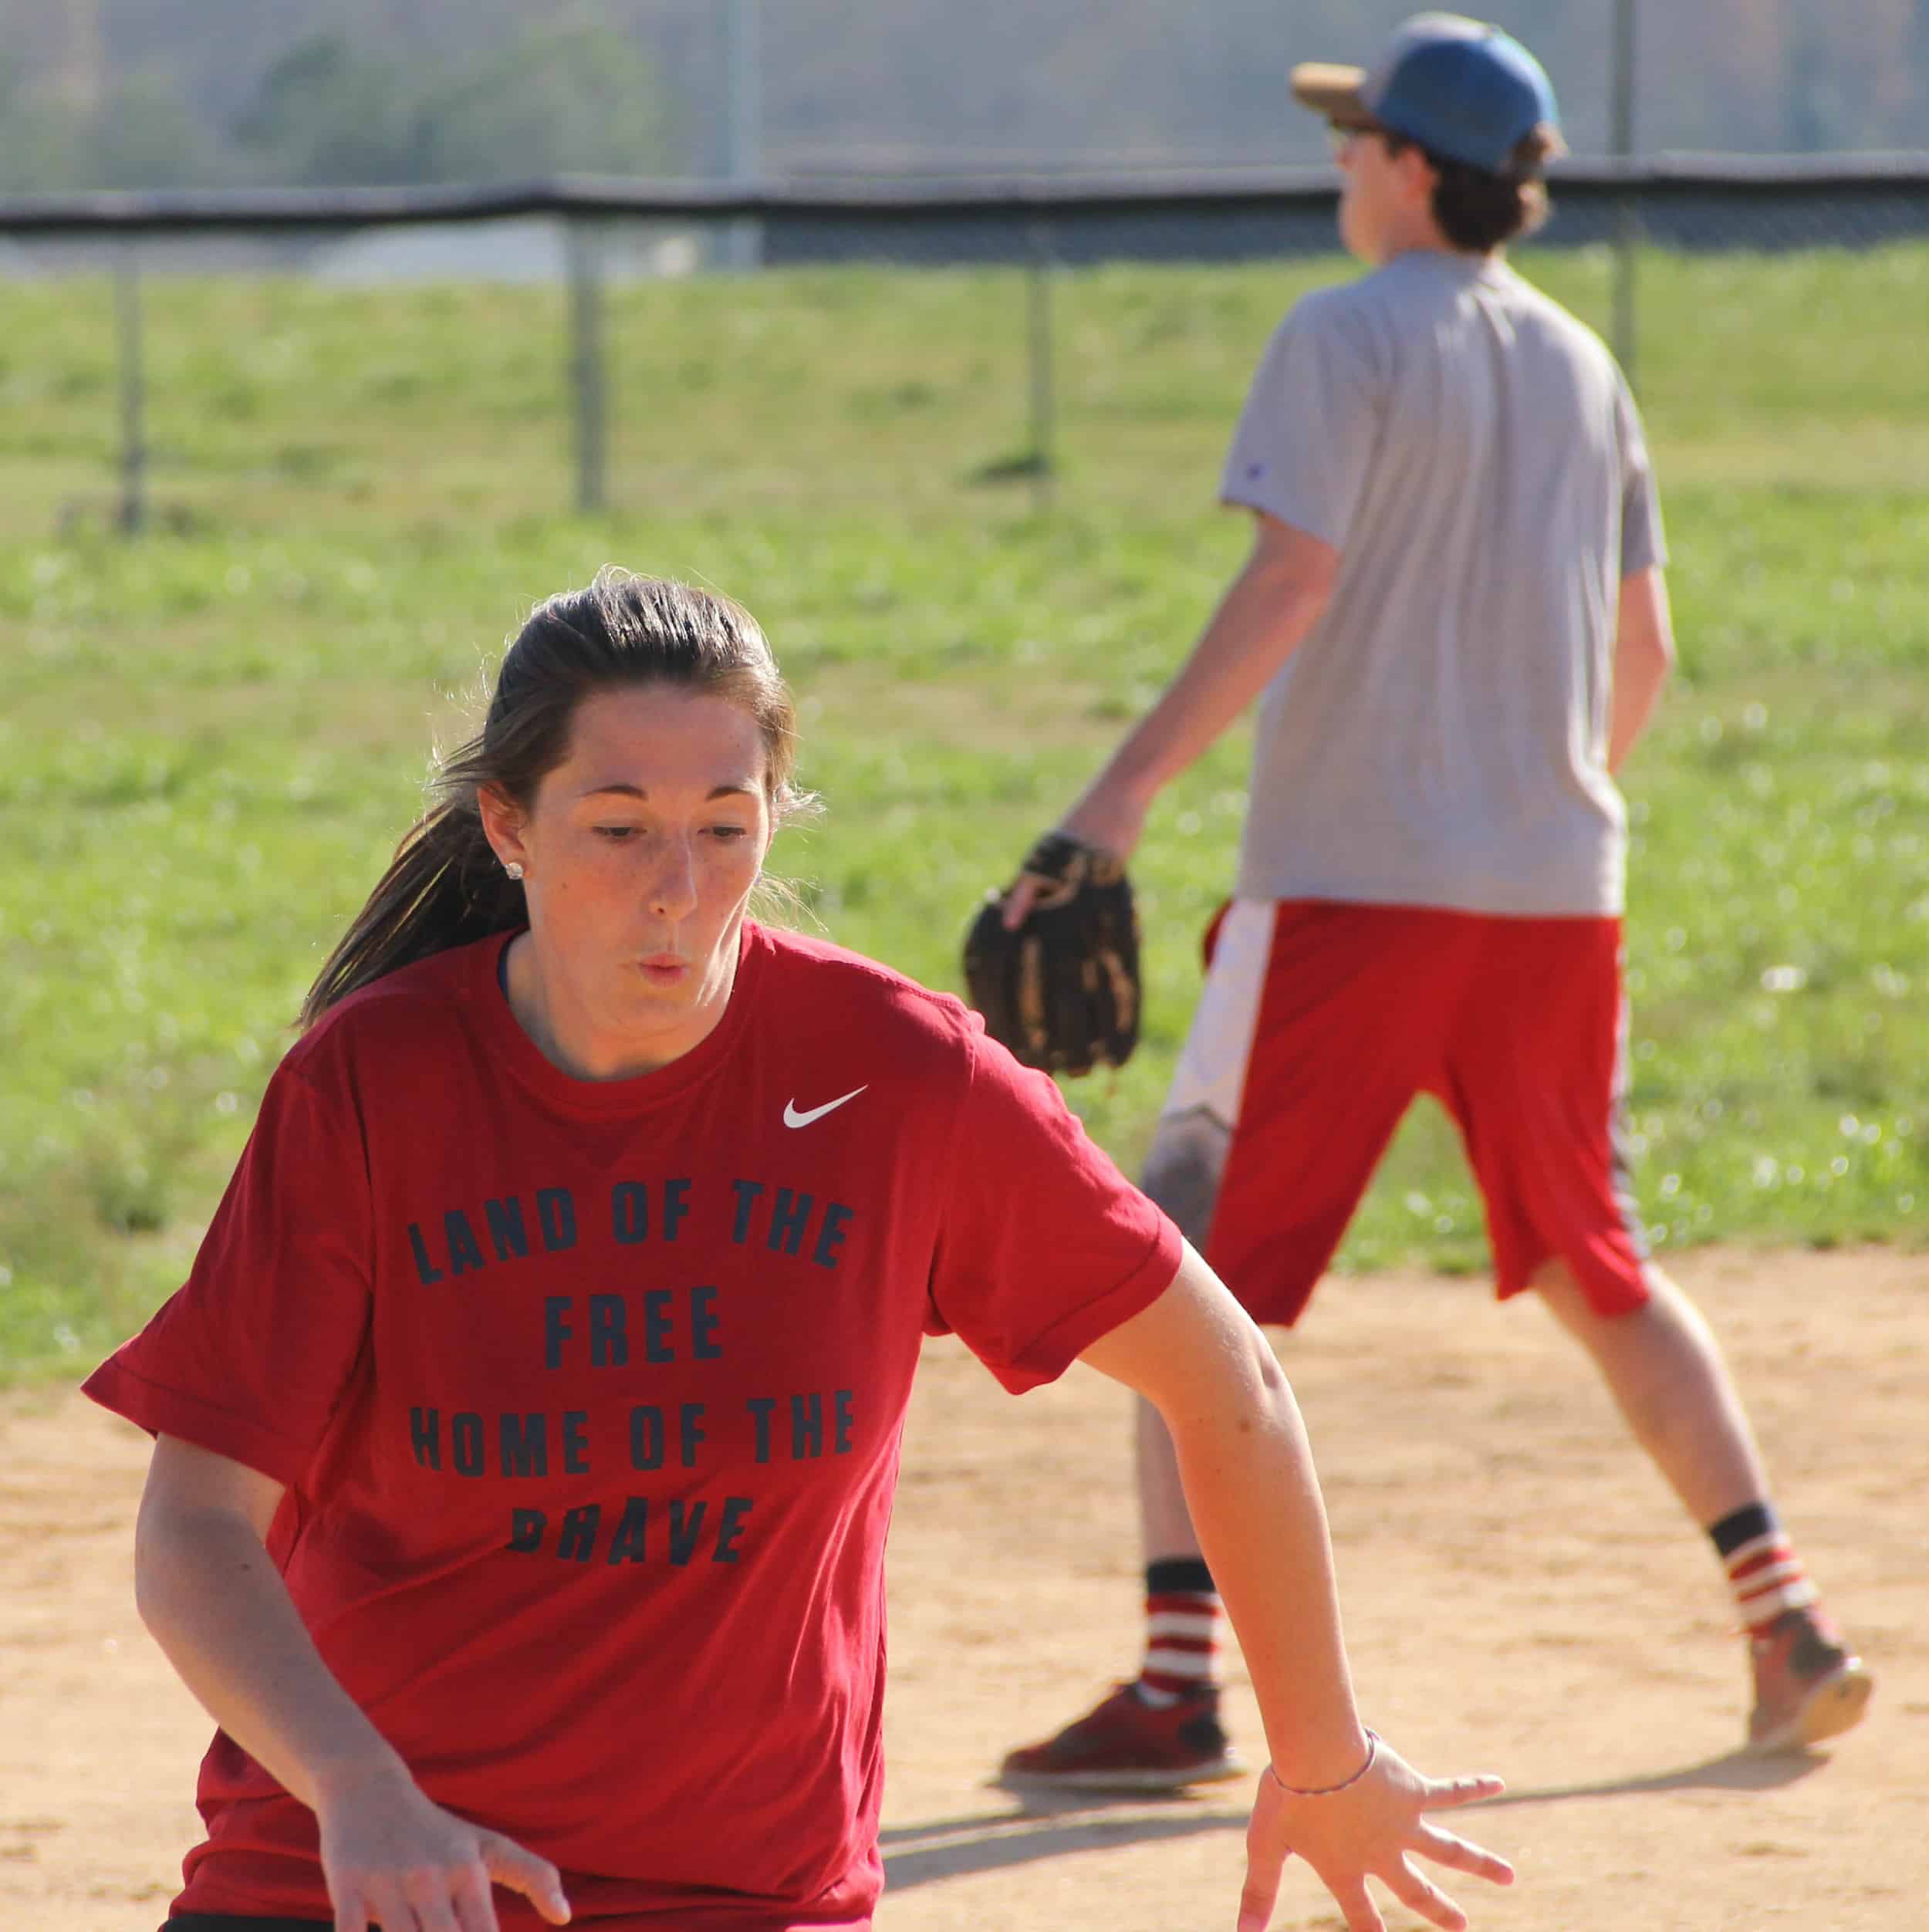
(1181,1629)
(1764,1573)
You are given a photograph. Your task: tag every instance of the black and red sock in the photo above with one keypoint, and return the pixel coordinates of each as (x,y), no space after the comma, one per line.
(1764,1574)
(1182,1613)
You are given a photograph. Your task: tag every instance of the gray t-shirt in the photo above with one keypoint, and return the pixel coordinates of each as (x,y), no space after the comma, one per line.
(1440,737)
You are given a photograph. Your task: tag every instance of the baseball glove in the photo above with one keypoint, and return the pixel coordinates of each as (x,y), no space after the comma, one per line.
(1061,991)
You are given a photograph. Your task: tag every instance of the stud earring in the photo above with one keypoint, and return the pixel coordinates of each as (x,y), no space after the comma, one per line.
(513,870)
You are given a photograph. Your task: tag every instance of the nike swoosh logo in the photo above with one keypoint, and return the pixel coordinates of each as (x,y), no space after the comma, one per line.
(793,1119)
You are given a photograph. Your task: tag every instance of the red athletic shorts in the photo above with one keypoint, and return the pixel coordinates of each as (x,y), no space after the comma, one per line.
(1318,1024)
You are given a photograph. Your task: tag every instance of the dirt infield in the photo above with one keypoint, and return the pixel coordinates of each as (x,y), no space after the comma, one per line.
(1521,1596)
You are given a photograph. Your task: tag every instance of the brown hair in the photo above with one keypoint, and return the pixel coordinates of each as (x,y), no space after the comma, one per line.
(1479,211)
(444,887)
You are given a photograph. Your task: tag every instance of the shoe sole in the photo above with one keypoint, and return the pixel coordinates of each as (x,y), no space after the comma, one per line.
(1144,1778)
(1834,1706)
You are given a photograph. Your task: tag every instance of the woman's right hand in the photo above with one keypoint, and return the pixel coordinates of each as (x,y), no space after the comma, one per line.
(392,1858)
(1370,1827)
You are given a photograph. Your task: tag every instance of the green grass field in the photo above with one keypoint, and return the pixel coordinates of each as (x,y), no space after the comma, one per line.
(212,736)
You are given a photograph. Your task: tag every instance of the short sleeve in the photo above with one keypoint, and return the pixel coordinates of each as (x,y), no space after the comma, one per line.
(1305,438)
(1644,545)
(252,1355)
(1043,1246)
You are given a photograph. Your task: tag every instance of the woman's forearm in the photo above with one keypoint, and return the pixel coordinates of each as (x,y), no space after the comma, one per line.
(1255,1503)
(219,1609)
(1350,1807)
(1254,1500)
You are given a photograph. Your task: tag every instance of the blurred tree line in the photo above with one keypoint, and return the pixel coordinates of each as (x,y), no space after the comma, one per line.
(157,92)
(575,96)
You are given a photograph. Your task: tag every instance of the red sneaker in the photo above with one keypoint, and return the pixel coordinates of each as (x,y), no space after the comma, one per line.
(1127,1745)
(1809,1684)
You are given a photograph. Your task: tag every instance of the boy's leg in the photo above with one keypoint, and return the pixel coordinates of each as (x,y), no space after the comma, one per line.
(1536,1081)
(1664,1369)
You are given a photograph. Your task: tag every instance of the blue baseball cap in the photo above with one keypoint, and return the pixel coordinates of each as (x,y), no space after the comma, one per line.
(1461,88)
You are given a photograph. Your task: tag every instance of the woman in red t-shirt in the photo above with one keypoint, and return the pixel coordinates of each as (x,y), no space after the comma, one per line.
(527,1429)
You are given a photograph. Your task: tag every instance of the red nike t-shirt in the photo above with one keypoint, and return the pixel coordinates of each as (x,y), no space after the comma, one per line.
(588,1398)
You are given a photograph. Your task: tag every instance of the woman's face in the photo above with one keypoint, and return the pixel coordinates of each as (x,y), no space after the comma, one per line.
(638,855)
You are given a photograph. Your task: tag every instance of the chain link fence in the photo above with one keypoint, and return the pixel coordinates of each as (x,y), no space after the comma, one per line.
(587,237)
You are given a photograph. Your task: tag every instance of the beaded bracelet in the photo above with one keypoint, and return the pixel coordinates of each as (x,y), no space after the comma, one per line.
(1327,1791)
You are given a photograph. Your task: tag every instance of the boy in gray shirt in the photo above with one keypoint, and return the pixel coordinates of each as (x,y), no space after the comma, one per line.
(1454,621)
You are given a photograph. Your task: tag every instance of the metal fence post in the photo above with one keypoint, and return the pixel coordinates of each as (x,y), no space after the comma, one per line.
(1042,460)
(132,515)
(742,24)
(581,242)
(1627,207)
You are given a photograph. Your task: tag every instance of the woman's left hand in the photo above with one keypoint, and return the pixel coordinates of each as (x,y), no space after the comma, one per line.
(1368,1829)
